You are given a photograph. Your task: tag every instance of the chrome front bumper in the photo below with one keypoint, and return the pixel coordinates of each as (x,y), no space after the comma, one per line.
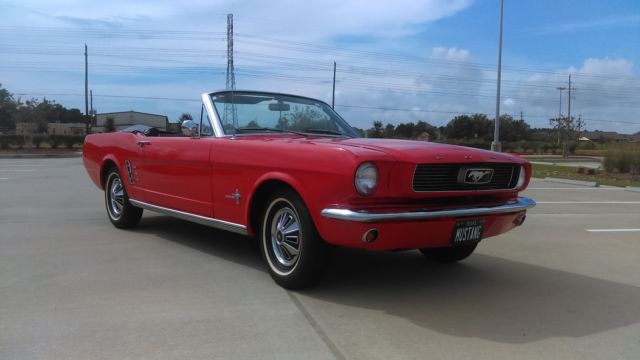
(518,205)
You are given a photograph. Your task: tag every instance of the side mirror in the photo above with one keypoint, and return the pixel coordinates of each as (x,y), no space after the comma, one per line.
(189,128)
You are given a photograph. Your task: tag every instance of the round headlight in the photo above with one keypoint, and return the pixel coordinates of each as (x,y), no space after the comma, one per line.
(366,179)
(521,178)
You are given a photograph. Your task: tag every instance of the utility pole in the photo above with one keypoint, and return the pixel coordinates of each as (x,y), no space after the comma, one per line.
(86,88)
(521,117)
(333,97)
(558,123)
(230,114)
(569,100)
(561,88)
(568,124)
(91,111)
(495,145)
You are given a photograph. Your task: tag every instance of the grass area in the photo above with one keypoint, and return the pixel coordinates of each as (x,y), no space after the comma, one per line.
(558,159)
(568,172)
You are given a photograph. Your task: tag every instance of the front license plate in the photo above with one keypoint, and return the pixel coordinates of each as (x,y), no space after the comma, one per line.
(468,231)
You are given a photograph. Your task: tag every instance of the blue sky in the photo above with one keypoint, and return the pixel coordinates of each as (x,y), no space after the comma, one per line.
(398,61)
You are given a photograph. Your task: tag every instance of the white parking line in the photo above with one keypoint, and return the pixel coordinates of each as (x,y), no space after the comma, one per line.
(577,188)
(613,230)
(587,202)
(17,170)
(4,178)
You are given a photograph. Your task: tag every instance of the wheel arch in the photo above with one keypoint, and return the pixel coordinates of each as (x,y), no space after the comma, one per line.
(107,164)
(258,200)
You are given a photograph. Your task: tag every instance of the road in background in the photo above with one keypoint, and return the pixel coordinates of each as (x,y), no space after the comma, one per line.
(75,287)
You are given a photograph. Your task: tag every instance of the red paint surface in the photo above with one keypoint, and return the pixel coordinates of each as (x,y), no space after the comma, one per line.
(196,175)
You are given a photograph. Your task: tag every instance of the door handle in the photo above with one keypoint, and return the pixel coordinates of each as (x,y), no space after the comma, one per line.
(142,143)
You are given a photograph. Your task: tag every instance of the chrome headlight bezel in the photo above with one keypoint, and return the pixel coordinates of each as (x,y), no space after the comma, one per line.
(366,178)
(522,178)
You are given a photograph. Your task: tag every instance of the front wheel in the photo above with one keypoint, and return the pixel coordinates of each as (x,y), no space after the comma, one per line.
(122,214)
(449,254)
(290,244)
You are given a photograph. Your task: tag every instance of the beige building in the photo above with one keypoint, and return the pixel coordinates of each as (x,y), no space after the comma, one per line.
(66,128)
(26,128)
(124,119)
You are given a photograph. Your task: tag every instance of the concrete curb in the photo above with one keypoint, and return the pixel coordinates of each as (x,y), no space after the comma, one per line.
(573,182)
(631,188)
(40,156)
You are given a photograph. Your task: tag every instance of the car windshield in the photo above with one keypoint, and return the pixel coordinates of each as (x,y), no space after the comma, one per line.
(253,112)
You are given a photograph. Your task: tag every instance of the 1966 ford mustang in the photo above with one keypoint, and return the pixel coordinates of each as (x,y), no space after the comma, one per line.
(291,172)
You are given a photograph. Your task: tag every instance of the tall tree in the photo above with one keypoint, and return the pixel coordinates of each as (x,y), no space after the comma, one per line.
(185,116)
(476,126)
(376,130)
(513,130)
(568,130)
(109,124)
(7,108)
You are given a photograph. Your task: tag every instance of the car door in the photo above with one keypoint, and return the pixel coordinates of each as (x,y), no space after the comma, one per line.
(175,172)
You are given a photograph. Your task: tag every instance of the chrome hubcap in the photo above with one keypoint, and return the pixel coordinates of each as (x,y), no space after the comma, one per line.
(285,237)
(116,197)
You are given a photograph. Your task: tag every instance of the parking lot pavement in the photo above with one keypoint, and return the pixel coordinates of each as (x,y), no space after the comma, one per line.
(74,287)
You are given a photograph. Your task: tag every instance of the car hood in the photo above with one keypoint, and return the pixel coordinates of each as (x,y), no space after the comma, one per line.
(420,151)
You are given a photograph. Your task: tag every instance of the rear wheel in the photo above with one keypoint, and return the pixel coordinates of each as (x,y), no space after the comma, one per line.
(122,214)
(289,242)
(449,254)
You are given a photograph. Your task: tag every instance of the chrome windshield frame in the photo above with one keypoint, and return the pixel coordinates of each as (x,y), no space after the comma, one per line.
(217,122)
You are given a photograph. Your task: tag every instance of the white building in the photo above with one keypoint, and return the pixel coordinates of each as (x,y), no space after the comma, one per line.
(124,119)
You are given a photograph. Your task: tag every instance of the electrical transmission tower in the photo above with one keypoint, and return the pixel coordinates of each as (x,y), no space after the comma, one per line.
(230,115)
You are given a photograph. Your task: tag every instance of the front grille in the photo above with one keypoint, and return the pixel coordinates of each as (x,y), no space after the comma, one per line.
(444,177)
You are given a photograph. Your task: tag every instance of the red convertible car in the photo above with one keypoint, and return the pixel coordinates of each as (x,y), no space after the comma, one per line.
(291,172)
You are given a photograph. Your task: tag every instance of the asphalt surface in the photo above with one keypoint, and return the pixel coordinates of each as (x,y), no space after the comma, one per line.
(565,285)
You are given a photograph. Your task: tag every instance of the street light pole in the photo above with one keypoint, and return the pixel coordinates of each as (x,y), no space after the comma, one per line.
(495,145)
(561,88)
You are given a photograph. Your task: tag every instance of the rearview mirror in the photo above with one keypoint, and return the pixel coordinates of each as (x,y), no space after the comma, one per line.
(279,106)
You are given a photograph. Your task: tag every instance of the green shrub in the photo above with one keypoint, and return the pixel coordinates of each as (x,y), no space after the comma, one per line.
(70,140)
(38,140)
(587,145)
(7,141)
(55,140)
(624,160)
(4,141)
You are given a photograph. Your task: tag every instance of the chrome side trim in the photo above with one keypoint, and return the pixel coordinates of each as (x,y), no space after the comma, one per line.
(202,220)
(361,216)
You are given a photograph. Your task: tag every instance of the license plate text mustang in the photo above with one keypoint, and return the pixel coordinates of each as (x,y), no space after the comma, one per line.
(291,172)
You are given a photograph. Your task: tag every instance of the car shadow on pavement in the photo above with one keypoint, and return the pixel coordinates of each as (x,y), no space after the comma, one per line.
(483,297)
(223,244)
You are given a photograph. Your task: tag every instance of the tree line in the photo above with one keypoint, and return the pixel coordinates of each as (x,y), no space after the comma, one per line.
(39,113)
(476,127)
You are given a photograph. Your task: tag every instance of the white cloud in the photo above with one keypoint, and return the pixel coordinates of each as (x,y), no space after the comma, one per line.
(603,93)
(508,102)
(294,19)
(606,66)
(451,54)
(601,22)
